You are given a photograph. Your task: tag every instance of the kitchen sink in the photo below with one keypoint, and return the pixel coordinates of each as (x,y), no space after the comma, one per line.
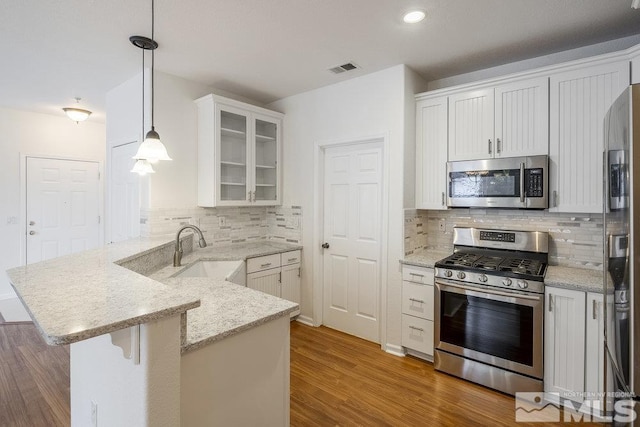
(221,270)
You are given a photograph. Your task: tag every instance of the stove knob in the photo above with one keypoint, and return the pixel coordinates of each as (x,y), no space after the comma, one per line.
(461,275)
(522,284)
(483,278)
(448,273)
(507,282)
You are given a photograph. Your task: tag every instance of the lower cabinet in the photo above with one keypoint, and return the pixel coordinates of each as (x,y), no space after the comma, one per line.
(277,275)
(574,345)
(417,311)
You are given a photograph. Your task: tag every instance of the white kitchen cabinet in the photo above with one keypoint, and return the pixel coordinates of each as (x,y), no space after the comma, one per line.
(503,121)
(578,101)
(417,310)
(239,151)
(564,342)
(431,153)
(277,275)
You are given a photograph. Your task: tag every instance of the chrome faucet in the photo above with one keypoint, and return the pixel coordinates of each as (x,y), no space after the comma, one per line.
(177,255)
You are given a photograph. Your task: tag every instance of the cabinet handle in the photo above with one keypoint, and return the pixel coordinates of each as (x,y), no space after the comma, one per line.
(416,328)
(249,195)
(298,272)
(291,259)
(416,274)
(442,198)
(416,300)
(254,196)
(280,277)
(550,302)
(265,265)
(555,199)
(594,309)
(489,146)
(498,148)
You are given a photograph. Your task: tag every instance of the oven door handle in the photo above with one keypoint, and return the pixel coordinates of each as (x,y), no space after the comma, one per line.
(522,182)
(482,292)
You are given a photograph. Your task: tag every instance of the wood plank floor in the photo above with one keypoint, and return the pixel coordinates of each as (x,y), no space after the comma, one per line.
(336,380)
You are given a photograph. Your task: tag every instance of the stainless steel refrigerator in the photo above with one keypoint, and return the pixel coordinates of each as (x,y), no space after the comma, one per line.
(622,247)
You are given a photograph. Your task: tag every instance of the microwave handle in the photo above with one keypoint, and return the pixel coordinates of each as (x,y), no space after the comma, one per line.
(521,182)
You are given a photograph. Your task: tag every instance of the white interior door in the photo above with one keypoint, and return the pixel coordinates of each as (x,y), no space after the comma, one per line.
(63,207)
(125,194)
(352,230)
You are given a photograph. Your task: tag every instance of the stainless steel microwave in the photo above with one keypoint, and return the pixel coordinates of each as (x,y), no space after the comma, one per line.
(511,182)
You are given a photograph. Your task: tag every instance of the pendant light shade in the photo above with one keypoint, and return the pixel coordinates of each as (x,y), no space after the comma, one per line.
(77,114)
(142,167)
(152,149)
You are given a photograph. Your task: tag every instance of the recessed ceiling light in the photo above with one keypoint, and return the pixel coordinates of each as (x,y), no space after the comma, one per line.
(414,16)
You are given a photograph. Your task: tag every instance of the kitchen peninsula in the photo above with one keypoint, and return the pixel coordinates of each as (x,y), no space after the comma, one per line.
(151,349)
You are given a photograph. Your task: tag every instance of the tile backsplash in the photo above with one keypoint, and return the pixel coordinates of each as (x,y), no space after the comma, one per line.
(576,240)
(226,225)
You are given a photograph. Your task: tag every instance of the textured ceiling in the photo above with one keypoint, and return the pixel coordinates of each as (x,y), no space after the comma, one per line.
(54,50)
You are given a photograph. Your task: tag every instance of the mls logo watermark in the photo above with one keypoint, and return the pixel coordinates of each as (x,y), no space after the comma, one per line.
(538,407)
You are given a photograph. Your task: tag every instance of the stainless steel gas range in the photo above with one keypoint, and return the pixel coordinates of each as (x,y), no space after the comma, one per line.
(489,302)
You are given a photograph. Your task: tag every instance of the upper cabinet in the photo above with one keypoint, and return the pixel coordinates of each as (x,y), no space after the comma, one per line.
(431,153)
(635,65)
(579,99)
(508,120)
(239,151)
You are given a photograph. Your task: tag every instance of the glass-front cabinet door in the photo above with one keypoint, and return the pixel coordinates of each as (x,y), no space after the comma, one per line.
(266,155)
(239,153)
(233,164)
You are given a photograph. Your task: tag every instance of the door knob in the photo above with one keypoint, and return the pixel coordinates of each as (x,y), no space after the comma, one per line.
(325,245)
(31,233)
(32,223)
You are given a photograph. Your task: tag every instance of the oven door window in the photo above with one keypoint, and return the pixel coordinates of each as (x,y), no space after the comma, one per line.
(496,328)
(485,183)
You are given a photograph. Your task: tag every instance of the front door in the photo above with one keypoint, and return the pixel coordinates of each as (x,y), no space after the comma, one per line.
(63,207)
(352,232)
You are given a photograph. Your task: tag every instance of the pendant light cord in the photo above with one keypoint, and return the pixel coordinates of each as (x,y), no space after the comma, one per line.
(142,94)
(152,61)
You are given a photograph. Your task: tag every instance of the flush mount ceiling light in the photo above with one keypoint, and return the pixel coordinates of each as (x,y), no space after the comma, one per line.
(152,149)
(414,16)
(77,114)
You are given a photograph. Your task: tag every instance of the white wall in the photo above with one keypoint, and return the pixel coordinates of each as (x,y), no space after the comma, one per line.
(26,133)
(371,105)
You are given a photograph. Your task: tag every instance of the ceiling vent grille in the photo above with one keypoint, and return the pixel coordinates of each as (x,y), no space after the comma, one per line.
(343,68)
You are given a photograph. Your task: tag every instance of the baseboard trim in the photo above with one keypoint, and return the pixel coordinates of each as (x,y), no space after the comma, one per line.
(394,349)
(305,320)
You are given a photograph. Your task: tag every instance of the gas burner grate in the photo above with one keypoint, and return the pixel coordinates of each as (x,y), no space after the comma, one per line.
(461,259)
(522,266)
(488,262)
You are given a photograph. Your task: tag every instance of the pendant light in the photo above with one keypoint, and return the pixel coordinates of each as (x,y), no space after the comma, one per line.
(77,114)
(151,149)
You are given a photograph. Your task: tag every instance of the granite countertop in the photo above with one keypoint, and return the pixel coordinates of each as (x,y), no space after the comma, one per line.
(581,279)
(425,258)
(226,308)
(80,296)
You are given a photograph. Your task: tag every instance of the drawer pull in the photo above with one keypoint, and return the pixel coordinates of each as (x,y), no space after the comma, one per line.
(265,265)
(292,259)
(416,300)
(416,328)
(416,274)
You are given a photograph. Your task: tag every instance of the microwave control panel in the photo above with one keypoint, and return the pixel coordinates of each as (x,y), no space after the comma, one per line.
(534,185)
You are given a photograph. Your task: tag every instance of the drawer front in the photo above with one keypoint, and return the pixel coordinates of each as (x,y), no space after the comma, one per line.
(263,263)
(417,334)
(417,274)
(291,257)
(417,300)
